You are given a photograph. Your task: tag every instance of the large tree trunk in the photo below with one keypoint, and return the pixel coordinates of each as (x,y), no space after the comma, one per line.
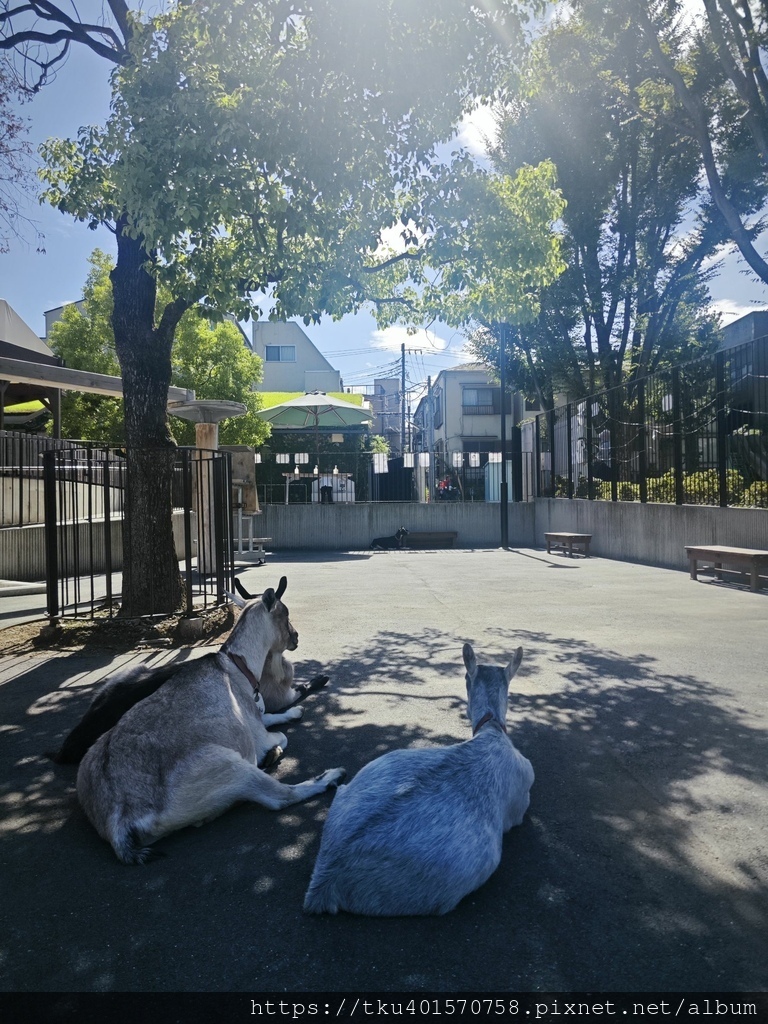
(152,582)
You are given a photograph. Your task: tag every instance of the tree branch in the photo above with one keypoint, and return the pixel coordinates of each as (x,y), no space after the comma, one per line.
(390,262)
(103,40)
(743,83)
(700,127)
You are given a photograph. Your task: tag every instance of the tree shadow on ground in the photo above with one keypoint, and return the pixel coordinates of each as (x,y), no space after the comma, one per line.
(634,870)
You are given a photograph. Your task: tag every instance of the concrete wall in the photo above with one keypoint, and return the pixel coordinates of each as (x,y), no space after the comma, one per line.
(346,527)
(654,534)
(22,548)
(31,508)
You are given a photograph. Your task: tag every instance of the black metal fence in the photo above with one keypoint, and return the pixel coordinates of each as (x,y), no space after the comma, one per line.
(294,478)
(693,434)
(21,475)
(85,494)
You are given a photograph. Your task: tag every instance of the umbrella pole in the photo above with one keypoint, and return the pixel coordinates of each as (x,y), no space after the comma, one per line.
(317,449)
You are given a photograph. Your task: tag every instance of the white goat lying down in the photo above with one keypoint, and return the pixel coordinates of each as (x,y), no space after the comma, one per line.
(278,690)
(416,830)
(189,751)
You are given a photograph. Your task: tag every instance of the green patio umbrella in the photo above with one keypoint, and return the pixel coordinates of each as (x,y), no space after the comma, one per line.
(315,410)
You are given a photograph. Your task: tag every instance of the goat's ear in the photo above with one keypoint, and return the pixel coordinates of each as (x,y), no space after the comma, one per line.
(469,660)
(236,599)
(281,587)
(514,665)
(268,599)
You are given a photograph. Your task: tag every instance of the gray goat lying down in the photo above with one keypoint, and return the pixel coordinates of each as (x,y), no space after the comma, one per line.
(416,830)
(190,750)
(278,690)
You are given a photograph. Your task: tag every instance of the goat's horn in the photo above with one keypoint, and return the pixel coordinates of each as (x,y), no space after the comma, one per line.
(281,587)
(242,591)
(235,599)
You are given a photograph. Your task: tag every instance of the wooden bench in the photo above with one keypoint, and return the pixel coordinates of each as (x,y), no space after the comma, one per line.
(430,539)
(567,542)
(750,559)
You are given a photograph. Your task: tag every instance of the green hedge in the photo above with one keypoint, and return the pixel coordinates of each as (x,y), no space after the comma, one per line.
(700,488)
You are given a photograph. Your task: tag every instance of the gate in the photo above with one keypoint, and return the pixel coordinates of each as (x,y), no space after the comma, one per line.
(85,491)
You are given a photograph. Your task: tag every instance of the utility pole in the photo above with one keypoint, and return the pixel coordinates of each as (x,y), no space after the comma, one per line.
(431,441)
(402,397)
(403,436)
(503,380)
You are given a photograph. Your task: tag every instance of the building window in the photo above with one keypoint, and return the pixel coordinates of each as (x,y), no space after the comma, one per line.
(281,353)
(470,444)
(478,401)
(437,408)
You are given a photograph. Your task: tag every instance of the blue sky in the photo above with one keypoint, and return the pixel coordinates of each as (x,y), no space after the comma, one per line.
(33,282)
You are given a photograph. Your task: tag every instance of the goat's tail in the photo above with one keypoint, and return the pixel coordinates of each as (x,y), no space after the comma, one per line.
(130,847)
(322,897)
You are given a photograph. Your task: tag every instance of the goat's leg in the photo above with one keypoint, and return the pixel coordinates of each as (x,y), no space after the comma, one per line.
(216,778)
(291,714)
(304,689)
(268,792)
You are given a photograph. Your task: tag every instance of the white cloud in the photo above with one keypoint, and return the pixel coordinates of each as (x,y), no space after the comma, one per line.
(731,310)
(392,238)
(477,130)
(391,338)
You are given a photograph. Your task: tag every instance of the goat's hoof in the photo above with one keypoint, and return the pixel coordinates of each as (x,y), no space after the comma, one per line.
(304,689)
(271,757)
(145,855)
(332,777)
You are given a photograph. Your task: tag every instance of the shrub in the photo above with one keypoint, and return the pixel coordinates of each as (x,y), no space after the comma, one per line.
(703,488)
(582,488)
(662,488)
(629,492)
(756,496)
(603,489)
(561,487)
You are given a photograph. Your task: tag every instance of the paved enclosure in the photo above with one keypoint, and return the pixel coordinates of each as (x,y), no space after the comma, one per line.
(642,864)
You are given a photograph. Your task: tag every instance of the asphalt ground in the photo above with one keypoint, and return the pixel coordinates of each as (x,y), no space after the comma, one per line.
(642,863)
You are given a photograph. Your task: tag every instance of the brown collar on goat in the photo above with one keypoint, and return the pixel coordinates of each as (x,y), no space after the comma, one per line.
(239,661)
(487,717)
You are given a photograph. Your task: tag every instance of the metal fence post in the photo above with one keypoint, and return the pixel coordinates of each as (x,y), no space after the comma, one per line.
(186,483)
(552,446)
(516,444)
(107,471)
(569,446)
(222,523)
(589,447)
(721,424)
(613,432)
(51,539)
(642,442)
(537,457)
(677,437)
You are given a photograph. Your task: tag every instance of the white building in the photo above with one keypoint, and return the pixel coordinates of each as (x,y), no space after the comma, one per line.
(464,414)
(291,361)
